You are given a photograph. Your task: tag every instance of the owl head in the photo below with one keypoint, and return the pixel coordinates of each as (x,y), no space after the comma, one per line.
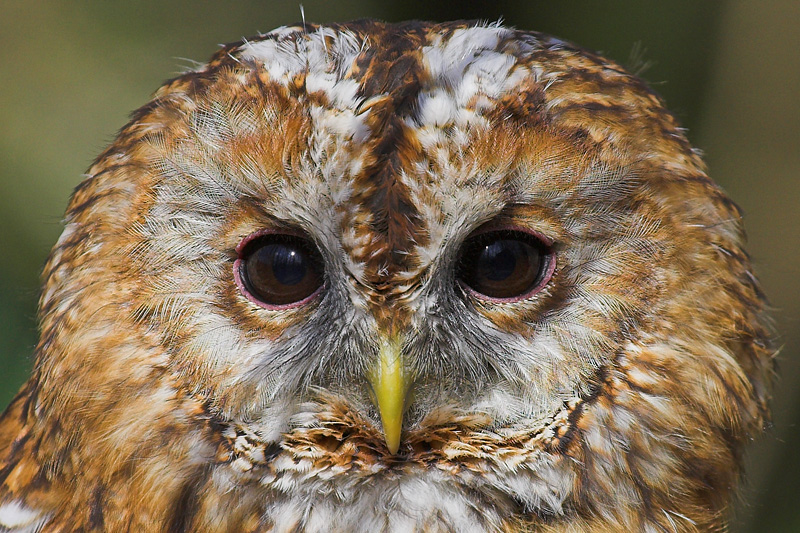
(450,273)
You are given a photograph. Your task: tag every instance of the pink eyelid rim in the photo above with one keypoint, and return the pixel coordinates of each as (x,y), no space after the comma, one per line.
(551,264)
(237,267)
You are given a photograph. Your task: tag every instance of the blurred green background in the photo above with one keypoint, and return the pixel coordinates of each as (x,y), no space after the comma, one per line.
(72,71)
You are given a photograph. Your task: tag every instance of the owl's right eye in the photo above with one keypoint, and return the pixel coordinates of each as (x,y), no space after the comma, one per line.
(278,270)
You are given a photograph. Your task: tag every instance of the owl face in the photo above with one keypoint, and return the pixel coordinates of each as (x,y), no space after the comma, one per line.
(329,236)
(432,267)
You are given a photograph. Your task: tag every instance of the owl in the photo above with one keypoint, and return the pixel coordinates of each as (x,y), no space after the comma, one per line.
(392,278)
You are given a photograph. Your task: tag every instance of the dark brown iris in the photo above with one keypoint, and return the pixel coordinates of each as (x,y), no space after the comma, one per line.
(278,269)
(505,264)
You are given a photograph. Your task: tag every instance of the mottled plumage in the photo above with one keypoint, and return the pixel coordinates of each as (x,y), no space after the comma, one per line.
(612,392)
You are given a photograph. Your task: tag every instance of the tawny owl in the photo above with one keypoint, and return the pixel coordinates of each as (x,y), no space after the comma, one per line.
(376,277)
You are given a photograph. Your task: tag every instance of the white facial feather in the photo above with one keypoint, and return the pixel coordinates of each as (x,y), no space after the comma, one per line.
(15,517)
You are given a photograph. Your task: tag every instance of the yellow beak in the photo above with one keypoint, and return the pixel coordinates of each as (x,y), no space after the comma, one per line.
(389,385)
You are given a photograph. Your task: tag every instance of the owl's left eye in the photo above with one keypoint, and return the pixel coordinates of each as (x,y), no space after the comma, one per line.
(278,270)
(505,265)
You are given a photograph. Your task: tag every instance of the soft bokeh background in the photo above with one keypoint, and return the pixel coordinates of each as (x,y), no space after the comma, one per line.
(70,72)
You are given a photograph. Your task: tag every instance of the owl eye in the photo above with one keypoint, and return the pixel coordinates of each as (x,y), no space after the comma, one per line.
(278,270)
(505,265)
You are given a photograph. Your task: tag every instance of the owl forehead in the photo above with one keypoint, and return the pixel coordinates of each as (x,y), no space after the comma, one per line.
(429,75)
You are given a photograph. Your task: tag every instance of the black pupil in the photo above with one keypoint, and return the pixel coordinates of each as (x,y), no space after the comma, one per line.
(288,264)
(503,264)
(280,269)
(499,259)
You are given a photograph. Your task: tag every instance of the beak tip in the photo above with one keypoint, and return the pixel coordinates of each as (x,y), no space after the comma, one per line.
(393,443)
